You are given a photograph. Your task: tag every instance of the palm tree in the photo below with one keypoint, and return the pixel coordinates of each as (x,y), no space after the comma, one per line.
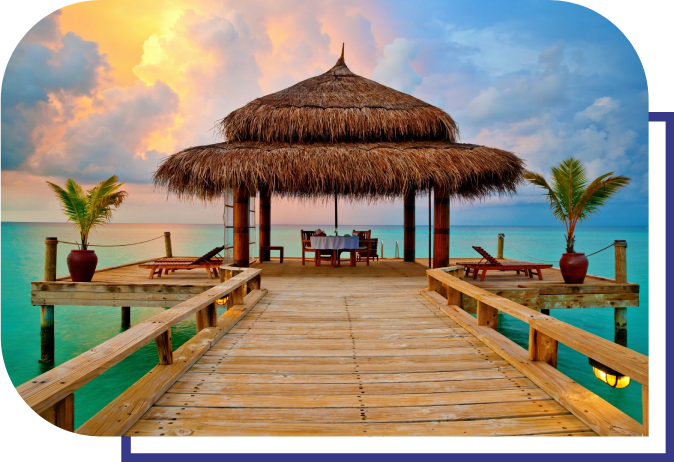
(572,198)
(90,209)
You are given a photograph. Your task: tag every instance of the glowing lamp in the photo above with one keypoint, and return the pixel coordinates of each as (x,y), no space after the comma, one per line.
(609,376)
(222,301)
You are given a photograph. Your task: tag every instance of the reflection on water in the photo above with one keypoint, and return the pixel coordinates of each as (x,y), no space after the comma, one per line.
(78,329)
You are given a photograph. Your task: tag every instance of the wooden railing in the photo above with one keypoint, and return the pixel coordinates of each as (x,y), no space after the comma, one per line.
(51,394)
(539,364)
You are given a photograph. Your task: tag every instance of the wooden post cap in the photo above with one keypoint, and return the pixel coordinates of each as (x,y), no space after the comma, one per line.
(620,243)
(50,240)
(167,233)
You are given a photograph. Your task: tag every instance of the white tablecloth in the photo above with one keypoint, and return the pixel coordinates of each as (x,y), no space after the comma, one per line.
(334,242)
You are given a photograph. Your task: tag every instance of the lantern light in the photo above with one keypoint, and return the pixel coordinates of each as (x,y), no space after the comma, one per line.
(609,376)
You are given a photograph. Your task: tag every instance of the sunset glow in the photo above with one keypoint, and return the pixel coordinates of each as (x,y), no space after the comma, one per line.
(112,87)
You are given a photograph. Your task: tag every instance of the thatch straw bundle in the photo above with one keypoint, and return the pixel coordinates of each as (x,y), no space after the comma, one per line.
(352,170)
(338,106)
(339,133)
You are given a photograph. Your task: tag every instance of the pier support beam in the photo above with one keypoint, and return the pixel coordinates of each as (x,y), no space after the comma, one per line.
(47,311)
(499,245)
(126,317)
(409,225)
(440,227)
(167,243)
(620,314)
(241,223)
(265,223)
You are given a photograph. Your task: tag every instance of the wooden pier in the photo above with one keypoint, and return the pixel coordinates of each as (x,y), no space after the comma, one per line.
(385,349)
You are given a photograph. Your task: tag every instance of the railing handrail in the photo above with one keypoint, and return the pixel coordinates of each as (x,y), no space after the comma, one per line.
(53,386)
(617,357)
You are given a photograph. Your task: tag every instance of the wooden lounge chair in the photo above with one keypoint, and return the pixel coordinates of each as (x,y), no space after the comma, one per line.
(492,264)
(208,261)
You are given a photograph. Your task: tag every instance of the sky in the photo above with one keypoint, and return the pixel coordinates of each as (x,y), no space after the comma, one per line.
(113,86)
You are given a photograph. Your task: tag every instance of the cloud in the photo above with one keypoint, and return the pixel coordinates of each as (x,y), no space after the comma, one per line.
(395,70)
(599,109)
(38,76)
(115,139)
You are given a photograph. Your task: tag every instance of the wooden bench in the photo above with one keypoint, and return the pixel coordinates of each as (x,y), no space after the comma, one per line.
(272,247)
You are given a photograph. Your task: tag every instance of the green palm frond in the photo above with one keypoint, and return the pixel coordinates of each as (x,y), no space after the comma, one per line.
(572,197)
(103,198)
(556,206)
(598,193)
(91,209)
(73,202)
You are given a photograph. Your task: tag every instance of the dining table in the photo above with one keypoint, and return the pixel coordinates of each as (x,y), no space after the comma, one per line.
(337,244)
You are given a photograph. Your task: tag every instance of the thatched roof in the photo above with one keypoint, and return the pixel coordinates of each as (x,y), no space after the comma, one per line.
(344,134)
(338,106)
(355,170)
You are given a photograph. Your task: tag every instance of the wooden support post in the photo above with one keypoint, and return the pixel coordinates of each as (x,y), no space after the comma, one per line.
(236,297)
(440,227)
(409,227)
(47,334)
(620,261)
(265,223)
(207,317)
(167,244)
(454,297)
(620,313)
(487,315)
(47,311)
(165,348)
(653,400)
(620,322)
(62,414)
(542,347)
(499,245)
(241,223)
(126,317)
(255,283)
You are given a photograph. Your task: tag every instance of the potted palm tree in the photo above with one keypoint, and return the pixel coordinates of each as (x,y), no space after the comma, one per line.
(573,199)
(86,211)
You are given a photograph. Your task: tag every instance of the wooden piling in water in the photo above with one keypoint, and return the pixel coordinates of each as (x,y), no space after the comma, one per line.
(167,243)
(620,313)
(126,317)
(499,245)
(47,311)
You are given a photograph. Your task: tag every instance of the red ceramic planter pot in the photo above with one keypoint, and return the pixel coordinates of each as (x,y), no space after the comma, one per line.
(82,265)
(574,267)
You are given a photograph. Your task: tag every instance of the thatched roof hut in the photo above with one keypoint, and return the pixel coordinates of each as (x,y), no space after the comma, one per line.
(339,134)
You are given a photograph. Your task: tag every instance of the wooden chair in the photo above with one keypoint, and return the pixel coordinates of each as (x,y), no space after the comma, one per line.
(492,264)
(306,244)
(374,244)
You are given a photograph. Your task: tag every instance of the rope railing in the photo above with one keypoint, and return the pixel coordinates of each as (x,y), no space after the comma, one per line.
(115,245)
(556,261)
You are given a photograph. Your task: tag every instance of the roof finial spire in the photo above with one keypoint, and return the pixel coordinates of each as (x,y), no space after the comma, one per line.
(340,61)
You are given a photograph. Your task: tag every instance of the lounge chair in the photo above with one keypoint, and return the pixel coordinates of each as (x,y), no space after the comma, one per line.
(492,264)
(208,261)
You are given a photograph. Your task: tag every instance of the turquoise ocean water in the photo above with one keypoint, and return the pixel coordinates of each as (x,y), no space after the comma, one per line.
(81,328)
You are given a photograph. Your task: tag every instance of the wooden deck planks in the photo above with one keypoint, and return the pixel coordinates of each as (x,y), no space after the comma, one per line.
(356,352)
